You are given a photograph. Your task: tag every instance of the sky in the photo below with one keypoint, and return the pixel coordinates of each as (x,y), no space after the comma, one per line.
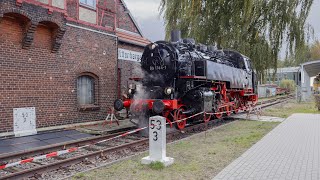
(146,13)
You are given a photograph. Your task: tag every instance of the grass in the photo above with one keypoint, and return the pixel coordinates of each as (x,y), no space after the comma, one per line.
(157,165)
(285,110)
(79,175)
(200,157)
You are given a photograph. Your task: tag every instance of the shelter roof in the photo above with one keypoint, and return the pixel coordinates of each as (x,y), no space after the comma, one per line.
(312,67)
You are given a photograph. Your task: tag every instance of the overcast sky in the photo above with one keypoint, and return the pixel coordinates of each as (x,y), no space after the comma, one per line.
(146,13)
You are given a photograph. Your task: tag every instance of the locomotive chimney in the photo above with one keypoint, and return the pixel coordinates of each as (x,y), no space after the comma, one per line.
(212,48)
(175,35)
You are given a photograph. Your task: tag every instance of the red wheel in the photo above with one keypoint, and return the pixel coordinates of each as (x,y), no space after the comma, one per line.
(218,114)
(235,109)
(244,108)
(178,115)
(206,117)
(248,107)
(228,110)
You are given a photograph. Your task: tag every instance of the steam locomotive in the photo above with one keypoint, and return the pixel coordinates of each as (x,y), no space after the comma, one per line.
(182,78)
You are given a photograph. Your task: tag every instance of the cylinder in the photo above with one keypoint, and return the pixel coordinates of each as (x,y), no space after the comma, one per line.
(175,35)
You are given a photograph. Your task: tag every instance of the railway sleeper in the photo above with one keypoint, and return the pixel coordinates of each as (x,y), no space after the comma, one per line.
(86,161)
(13,169)
(104,144)
(91,148)
(59,157)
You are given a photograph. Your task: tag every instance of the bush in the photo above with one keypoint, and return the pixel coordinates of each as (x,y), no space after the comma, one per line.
(317,99)
(288,84)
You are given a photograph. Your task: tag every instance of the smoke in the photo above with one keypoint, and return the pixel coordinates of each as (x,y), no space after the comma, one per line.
(140,92)
(138,114)
(151,85)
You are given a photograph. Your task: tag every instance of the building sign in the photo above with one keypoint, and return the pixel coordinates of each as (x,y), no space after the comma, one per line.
(24,121)
(125,54)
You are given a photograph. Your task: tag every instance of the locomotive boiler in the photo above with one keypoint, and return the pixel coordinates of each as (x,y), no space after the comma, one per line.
(182,78)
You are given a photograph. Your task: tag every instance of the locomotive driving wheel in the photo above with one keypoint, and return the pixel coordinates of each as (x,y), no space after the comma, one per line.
(206,117)
(228,110)
(243,107)
(235,109)
(178,115)
(237,105)
(218,113)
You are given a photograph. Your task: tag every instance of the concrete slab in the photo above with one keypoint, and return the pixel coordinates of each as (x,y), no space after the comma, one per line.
(105,128)
(167,161)
(46,136)
(58,140)
(8,149)
(68,132)
(290,151)
(35,141)
(254,117)
(79,136)
(19,140)
(30,145)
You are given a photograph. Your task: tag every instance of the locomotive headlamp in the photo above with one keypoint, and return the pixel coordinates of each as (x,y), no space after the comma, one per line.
(130,91)
(168,90)
(132,86)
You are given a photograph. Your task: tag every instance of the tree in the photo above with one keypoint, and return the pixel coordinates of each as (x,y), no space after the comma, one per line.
(315,51)
(304,54)
(256,28)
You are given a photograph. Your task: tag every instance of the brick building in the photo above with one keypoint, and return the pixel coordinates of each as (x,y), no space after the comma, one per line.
(61,58)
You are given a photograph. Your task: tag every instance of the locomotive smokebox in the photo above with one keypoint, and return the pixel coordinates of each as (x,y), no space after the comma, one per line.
(175,35)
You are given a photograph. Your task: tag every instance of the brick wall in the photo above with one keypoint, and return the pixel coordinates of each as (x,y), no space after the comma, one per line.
(36,77)
(124,20)
(41,56)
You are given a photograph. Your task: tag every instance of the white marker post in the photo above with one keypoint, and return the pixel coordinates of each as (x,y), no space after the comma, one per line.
(24,121)
(157,142)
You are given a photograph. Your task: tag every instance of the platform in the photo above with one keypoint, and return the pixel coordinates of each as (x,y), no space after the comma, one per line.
(290,151)
(106,127)
(14,144)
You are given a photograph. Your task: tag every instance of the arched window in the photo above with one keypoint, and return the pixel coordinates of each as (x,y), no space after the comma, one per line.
(85,90)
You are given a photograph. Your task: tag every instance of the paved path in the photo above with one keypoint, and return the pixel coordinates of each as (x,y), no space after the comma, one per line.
(290,151)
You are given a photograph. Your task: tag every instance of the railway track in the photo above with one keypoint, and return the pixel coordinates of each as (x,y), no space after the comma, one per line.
(95,154)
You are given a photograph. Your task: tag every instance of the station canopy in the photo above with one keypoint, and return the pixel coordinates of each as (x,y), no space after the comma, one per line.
(312,67)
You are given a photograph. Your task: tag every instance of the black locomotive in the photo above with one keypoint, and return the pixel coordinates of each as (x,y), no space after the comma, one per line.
(182,78)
